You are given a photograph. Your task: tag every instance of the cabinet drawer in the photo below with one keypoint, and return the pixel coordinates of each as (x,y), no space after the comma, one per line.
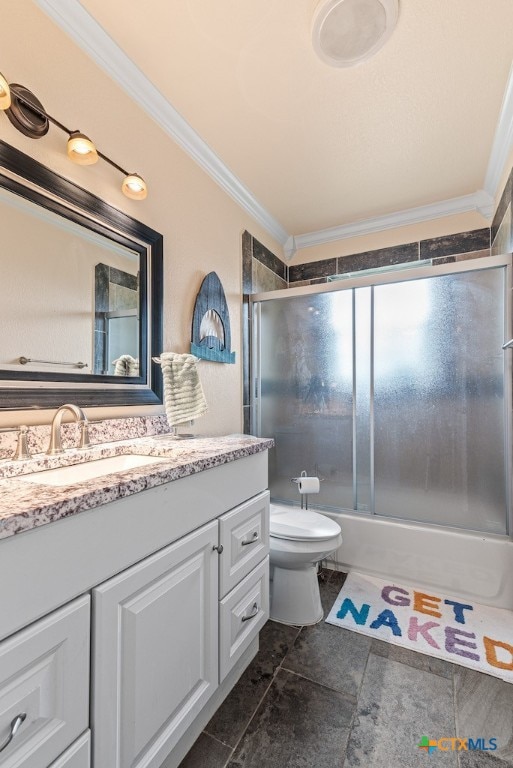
(242,614)
(44,675)
(244,534)
(78,755)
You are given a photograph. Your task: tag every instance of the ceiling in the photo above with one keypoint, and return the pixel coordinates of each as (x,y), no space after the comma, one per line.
(317,146)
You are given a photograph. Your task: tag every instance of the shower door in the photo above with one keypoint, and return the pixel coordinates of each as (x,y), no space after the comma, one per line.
(306,392)
(394,393)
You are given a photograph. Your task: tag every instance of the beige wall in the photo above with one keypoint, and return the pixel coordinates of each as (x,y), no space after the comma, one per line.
(201,225)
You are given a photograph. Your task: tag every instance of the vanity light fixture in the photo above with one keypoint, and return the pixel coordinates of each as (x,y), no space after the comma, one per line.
(28,115)
(5,93)
(81,149)
(134,187)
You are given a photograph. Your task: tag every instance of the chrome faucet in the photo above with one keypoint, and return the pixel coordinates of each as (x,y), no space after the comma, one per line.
(55,434)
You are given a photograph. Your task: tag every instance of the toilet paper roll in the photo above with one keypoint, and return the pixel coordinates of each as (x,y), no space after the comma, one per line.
(309,485)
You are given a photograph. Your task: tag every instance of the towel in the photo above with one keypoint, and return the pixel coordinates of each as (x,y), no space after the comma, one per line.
(183,394)
(126,365)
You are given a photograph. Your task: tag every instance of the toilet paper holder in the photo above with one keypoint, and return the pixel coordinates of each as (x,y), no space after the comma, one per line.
(297,480)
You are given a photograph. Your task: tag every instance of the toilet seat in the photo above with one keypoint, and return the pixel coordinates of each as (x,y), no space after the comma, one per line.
(302,525)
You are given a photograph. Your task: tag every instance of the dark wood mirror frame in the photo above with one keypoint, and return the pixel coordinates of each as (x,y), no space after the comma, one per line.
(65,198)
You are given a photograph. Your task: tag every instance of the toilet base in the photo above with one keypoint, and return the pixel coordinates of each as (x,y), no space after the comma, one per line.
(295,596)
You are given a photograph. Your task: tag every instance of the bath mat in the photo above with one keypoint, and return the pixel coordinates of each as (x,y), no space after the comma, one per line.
(459,631)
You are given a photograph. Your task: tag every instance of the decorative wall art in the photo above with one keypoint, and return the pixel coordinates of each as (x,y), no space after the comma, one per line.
(211,336)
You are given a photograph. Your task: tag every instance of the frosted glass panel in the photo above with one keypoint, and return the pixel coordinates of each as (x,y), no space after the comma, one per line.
(306,371)
(362,374)
(439,400)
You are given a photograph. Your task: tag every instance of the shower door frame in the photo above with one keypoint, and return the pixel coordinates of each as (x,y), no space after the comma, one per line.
(375,278)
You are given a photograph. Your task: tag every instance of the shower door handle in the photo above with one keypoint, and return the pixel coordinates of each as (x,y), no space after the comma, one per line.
(508,344)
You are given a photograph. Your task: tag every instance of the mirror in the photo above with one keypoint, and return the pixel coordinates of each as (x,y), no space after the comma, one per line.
(81,294)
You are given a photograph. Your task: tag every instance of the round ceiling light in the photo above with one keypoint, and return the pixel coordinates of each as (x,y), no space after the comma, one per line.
(347,32)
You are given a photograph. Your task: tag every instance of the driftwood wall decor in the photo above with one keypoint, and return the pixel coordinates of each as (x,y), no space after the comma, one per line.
(211,337)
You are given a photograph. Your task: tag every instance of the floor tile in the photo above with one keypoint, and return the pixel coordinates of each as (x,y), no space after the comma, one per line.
(329,589)
(484,707)
(336,578)
(413,658)
(481,760)
(329,655)
(206,751)
(230,720)
(397,706)
(299,725)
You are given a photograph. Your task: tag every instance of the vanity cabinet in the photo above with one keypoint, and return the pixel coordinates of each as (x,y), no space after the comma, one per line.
(44,679)
(165,635)
(164,590)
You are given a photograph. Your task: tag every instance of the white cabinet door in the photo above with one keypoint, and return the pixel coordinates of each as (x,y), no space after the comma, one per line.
(44,687)
(155,651)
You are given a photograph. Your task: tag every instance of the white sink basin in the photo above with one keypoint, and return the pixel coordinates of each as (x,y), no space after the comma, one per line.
(89,470)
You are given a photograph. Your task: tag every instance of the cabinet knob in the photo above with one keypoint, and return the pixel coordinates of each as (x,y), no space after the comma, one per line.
(218,548)
(252,540)
(15,727)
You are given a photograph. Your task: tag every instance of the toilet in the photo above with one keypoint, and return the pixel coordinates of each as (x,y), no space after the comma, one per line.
(299,539)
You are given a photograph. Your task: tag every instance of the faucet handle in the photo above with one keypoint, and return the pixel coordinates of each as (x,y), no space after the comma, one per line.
(84,434)
(21,451)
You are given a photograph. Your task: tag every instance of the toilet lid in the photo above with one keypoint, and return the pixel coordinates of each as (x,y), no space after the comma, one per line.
(302,524)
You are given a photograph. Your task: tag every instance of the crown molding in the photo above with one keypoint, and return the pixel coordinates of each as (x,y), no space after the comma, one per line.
(80,26)
(502,141)
(478,201)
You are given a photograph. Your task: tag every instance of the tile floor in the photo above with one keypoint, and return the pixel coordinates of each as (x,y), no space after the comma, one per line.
(324,697)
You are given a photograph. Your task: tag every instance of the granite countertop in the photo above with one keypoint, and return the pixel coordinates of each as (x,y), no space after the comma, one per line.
(27,505)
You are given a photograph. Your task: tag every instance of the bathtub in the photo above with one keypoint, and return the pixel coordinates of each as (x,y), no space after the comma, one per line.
(472,566)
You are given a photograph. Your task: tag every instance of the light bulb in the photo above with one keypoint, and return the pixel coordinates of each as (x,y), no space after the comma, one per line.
(5,93)
(81,149)
(134,187)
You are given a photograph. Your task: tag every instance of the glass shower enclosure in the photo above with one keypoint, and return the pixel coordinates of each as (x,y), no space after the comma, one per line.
(395,390)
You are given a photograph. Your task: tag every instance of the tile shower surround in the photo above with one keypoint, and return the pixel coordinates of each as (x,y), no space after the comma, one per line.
(256,258)
(325,697)
(442,250)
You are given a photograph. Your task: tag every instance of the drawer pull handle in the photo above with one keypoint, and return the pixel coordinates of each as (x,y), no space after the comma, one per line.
(253,540)
(255,610)
(218,548)
(15,727)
